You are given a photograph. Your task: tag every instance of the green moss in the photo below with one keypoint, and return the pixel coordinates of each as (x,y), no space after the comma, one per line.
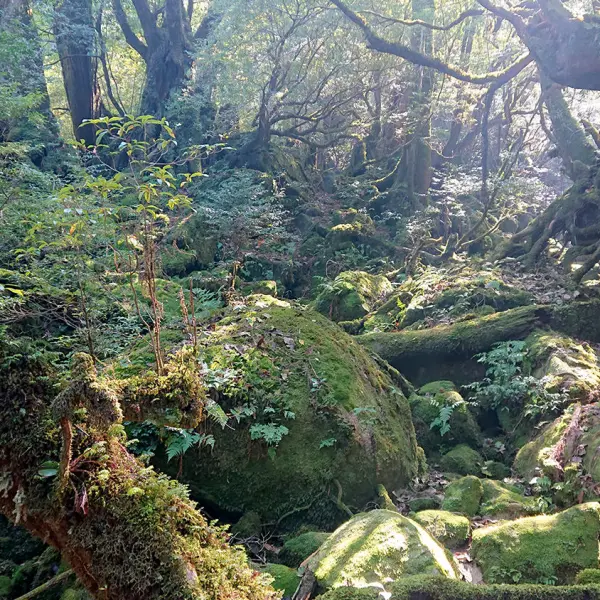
(464,496)
(441,588)
(406,349)
(548,547)
(75,594)
(462,460)
(352,295)
(564,363)
(297,549)
(5,586)
(419,504)
(588,577)
(425,407)
(249,525)
(533,455)
(375,546)
(450,529)
(284,578)
(284,360)
(578,319)
(504,501)
(494,469)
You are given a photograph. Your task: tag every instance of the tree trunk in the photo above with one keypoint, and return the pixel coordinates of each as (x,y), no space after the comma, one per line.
(126,531)
(75,41)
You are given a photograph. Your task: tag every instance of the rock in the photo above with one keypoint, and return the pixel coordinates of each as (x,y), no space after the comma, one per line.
(377,546)
(495,470)
(543,548)
(249,525)
(504,501)
(298,548)
(462,460)
(569,443)
(352,295)
(426,503)
(450,529)
(588,577)
(441,588)
(464,496)
(315,423)
(567,366)
(284,578)
(425,407)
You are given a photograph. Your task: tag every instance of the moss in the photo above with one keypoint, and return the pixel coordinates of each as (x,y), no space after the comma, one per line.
(5,586)
(375,546)
(75,594)
(504,501)
(284,578)
(462,460)
(428,503)
(588,577)
(532,456)
(495,470)
(578,319)
(441,588)
(406,349)
(268,287)
(296,369)
(554,547)
(450,529)
(464,496)
(425,407)
(352,295)
(565,364)
(297,549)
(249,525)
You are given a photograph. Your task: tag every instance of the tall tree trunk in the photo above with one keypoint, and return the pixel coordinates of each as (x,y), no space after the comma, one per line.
(27,72)
(75,41)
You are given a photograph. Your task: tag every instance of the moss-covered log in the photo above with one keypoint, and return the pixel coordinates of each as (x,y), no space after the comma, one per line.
(408,350)
(127,531)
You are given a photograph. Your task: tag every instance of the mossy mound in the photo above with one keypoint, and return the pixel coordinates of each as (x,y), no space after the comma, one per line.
(571,441)
(462,460)
(565,364)
(311,422)
(441,588)
(450,529)
(588,577)
(424,503)
(464,496)
(298,548)
(377,546)
(425,407)
(285,579)
(504,501)
(546,548)
(352,295)
(442,297)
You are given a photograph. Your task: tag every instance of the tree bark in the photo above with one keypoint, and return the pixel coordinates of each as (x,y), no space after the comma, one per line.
(76,44)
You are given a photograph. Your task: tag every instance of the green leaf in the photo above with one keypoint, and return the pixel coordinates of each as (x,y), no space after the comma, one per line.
(49,468)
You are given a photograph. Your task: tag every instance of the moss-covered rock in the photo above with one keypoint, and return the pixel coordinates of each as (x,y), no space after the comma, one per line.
(568,443)
(504,501)
(450,529)
(565,364)
(425,407)
(315,424)
(284,579)
(588,577)
(462,460)
(298,548)
(249,525)
(464,496)
(376,546)
(442,588)
(424,503)
(543,548)
(352,295)
(495,470)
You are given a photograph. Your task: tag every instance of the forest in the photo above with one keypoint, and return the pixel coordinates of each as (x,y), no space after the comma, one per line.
(299,299)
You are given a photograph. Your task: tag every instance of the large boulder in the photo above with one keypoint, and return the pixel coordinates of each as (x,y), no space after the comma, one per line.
(463,496)
(542,549)
(504,501)
(462,460)
(309,423)
(450,529)
(352,295)
(375,547)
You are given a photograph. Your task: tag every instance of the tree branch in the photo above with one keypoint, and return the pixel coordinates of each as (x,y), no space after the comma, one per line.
(377,43)
(130,36)
(474,12)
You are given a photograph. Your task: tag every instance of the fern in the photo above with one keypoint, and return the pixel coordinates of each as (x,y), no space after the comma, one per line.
(271,433)
(179,441)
